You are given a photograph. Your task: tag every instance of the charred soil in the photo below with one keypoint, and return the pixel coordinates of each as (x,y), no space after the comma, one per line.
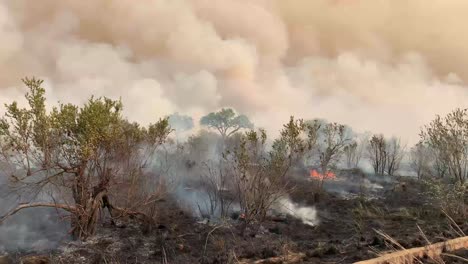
(348,216)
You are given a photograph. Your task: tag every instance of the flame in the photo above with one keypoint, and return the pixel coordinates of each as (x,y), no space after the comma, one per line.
(314,174)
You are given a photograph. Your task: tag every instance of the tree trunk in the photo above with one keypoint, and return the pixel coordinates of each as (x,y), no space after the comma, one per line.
(88,206)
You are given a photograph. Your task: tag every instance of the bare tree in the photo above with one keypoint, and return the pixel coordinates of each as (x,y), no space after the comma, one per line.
(395,153)
(420,158)
(385,155)
(448,137)
(334,139)
(351,155)
(377,153)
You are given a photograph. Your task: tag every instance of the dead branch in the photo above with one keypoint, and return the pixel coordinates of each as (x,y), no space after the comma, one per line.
(408,255)
(65,207)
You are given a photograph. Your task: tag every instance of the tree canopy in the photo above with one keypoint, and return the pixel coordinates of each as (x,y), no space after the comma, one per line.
(180,122)
(84,150)
(448,139)
(226,122)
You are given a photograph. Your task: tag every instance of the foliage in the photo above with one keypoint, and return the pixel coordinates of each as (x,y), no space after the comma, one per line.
(452,198)
(226,122)
(448,138)
(260,175)
(334,138)
(84,150)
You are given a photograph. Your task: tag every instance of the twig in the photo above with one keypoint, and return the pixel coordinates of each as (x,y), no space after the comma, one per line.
(207,237)
(453,222)
(424,235)
(455,256)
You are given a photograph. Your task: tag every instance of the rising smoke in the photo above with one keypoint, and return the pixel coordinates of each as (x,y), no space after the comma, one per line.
(384,66)
(36,229)
(308,215)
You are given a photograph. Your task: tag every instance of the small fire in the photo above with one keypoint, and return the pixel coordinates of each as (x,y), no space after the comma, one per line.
(314,174)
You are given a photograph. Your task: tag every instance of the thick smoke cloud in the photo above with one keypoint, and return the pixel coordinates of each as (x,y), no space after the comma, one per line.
(387,66)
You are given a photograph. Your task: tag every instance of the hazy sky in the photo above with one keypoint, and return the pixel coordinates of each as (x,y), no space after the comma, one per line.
(381,65)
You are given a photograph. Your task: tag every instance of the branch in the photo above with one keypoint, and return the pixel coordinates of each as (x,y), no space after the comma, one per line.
(65,207)
(234,131)
(126,212)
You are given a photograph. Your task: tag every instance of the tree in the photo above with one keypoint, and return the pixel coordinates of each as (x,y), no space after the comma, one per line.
(82,151)
(226,122)
(395,153)
(377,152)
(180,123)
(335,138)
(420,159)
(439,163)
(351,154)
(448,138)
(385,155)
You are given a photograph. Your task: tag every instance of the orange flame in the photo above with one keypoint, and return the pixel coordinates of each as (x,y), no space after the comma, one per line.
(314,174)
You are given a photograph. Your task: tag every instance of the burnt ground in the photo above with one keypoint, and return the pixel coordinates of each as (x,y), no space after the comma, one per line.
(348,219)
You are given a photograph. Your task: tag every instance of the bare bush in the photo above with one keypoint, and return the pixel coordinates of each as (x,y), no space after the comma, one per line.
(216,182)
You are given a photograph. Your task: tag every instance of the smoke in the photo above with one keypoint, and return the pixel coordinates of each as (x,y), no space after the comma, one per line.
(35,229)
(308,215)
(384,66)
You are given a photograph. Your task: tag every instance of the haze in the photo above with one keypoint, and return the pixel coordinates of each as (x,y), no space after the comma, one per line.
(388,66)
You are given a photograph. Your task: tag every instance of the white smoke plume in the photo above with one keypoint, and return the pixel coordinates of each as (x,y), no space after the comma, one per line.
(385,66)
(308,215)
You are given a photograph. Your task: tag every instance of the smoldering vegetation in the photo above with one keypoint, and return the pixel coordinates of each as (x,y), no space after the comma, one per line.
(206,184)
(34,230)
(224,193)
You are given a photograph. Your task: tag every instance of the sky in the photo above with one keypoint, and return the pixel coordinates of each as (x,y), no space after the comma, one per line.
(386,66)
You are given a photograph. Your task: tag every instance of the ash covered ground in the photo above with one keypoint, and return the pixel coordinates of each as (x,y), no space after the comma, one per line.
(339,227)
